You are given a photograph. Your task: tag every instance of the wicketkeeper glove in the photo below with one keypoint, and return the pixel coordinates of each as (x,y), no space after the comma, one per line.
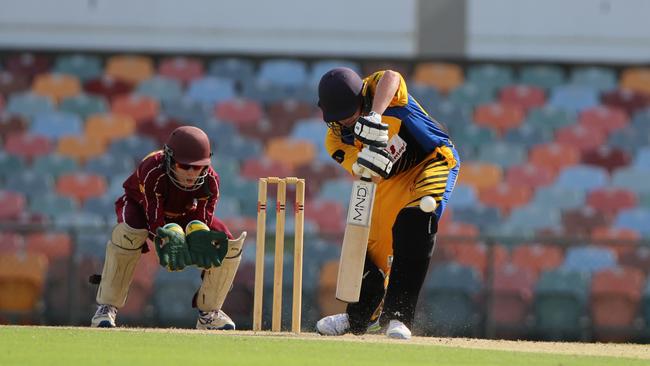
(172,249)
(378,161)
(207,248)
(371,131)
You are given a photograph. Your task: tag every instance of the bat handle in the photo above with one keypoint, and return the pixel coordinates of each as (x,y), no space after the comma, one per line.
(366,176)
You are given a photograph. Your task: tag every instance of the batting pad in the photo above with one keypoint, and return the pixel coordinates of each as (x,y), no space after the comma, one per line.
(217,281)
(122,254)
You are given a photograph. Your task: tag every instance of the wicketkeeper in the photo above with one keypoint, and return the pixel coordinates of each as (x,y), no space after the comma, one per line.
(172,188)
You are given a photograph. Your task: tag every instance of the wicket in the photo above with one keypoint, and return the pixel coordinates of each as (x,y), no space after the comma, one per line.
(299,211)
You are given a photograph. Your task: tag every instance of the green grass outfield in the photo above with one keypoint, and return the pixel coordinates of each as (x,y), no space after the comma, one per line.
(84,346)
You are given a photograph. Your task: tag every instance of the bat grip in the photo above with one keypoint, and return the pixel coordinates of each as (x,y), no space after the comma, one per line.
(366,176)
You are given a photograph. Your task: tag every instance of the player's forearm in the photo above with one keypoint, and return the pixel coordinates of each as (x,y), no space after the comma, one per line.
(386,89)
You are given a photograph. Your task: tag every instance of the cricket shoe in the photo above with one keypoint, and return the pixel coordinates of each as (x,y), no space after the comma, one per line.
(339,324)
(214,320)
(397,330)
(104,317)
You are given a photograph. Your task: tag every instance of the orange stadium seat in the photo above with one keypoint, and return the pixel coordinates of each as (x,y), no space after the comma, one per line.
(636,79)
(183,69)
(615,299)
(476,255)
(11,242)
(480,175)
(130,68)
(12,205)
(81,186)
(537,257)
(580,137)
(139,107)
(500,117)
(505,197)
(55,245)
(293,153)
(28,146)
(524,96)
(610,201)
(554,156)
(608,157)
(107,87)
(80,148)
(621,241)
(605,119)
(107,127)
(443,76)
(56,86)
(327,302)
(22,278)
(531,176)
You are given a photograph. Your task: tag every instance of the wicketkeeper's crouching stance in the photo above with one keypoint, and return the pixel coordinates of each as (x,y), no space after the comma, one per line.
(172,188)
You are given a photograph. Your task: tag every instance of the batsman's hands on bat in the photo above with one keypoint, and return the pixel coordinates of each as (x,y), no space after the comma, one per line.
(171,248)
(371,131)
(376,161)
(207,248)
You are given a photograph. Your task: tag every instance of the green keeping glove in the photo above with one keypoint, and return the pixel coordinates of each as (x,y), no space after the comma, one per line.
(171,247)
(207,248)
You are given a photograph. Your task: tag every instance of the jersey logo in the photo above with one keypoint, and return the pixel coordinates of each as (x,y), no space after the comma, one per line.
(338,156)
(396,147)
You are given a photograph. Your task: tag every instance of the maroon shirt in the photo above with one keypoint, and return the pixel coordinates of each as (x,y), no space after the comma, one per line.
(163,202)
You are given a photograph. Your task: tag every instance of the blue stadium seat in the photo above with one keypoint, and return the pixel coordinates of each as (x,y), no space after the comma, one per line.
(239,147)
(558,197)
(29,182)
(227,207)
(642,159)
(187,111)
(473,135)
(238,69)
(9,165)
(54,165)
(284,73)
(629,139)
(588,259)
(79,221)
(533,217)
(109,165)
(57,124)
(470,95)
(635,219)
(573,98)
(83,66)
(427,96)
(502,154)
(635,180)
(481,216)
(641,120)
(528,135)
(135,146)
(550,118)
(210,90)
(91,244)
(115,188)
(598,78)
(84,105)
(312,130)
(464,197)
(321,67)
(160,88)
(29,104)
(451,115)
(490,76)
(583,177)
(449,306)
(103,206)
(336,190)
(51,204)
(545,76)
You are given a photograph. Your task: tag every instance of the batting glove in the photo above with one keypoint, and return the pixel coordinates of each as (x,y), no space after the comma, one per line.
(371,131)
(378,161)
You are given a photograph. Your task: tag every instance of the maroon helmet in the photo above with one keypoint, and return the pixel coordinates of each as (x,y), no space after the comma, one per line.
(187,145)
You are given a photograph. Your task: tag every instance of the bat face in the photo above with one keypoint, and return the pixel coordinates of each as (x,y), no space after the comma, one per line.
(355,241)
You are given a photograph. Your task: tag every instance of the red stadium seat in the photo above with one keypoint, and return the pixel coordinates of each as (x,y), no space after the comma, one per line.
(81,186)
(639,259)
(56,86)
(183,69)
(604,119)
(12,83)
(241,112)
(55,246)
(284,114)
(580,137)
(255,168)
(615,298)
(12,205)
(138,107)
(610,158)
(27,64)
(537,257)
(108,87)
(524,96)
(10,124)
(580,222)
(610,201)
(627,100)
(130,68)
(158,128)
(531,176)
(505,197)
(28,146)
(327,215)
(621,241)
(499,116)
(513,297)
(476,255)
(554,156)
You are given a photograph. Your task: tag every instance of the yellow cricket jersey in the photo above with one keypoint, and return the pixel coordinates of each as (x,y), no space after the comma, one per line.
(413,135)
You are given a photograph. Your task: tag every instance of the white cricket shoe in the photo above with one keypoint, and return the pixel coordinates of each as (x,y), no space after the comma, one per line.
(333,325)
(104,317)
(214,320)
(397,330)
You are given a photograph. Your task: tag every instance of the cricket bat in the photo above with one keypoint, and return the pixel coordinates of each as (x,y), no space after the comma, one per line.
(355,240)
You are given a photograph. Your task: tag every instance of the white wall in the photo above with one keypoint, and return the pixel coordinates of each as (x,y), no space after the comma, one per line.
(241,26)
(576,30)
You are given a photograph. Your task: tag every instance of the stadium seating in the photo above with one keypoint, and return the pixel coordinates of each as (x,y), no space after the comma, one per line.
(56,86)
(22,280)
(84,67)
(512,300)
(537,258)
(543,76)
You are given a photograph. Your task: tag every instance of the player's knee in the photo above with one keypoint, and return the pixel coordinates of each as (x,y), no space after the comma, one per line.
(128,238)
(414,233)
